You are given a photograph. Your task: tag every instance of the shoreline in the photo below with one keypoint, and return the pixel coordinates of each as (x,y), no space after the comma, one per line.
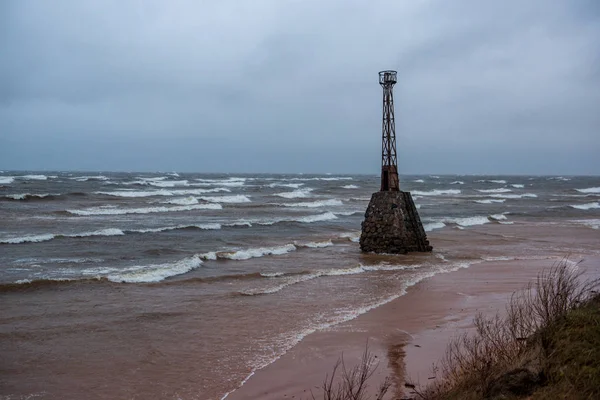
(407,334)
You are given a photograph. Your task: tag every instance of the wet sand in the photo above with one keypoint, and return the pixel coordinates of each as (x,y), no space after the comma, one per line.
(410,334)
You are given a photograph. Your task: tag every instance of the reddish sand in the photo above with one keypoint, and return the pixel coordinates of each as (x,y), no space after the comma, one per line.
(408,334)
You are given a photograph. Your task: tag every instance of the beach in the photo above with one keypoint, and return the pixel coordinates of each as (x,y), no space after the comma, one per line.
(191,286)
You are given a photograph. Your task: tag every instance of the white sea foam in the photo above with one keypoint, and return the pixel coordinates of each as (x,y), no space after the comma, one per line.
(591,223)
(513,196)
(90,177)
(332,178)
(350,187)
(467,221)
(492,181)
(419,181)
(34,177)
(29,238)
(230,182)
(143,210)
(296,194)
(588,206)
(101,232)
(314,204)
(433,225)
(351,236)
(498,190)
(436,192)
(589,190)
(518,185)
(161,192)
(457,183)
(314,245)
(498,217)
(169,184)
(155,272)
(207,226)
(255,252)
(317,218)
(288,185)
(227,199)
(182,201)
(6,180)
(490,201)
(23,196)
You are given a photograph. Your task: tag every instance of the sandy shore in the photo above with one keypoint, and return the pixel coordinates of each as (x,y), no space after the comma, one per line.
(407,335)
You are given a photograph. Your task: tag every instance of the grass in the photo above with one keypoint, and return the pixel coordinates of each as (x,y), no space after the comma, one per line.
(546,345)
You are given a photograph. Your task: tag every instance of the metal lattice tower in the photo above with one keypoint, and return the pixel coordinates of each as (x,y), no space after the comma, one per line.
(389,160)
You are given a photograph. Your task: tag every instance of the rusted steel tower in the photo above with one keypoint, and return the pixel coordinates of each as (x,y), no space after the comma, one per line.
(389,160)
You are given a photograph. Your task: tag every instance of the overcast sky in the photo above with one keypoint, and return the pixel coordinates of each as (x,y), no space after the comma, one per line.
(507,87)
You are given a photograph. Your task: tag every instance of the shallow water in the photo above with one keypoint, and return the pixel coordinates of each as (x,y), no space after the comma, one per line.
(181,285)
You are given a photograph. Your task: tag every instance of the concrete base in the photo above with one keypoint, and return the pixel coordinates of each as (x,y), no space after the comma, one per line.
(392,225)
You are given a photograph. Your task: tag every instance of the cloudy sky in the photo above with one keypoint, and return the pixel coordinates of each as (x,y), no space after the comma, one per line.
(507,87)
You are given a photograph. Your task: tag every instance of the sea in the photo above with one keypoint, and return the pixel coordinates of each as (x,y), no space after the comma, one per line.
(182,285)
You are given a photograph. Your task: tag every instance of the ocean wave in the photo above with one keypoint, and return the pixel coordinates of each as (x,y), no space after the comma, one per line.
(588,206)
(502,181)
(428,227)
(168,184)
(143,210)
(296,194)
(246,254)
(230,182)
(89,178)
(35,177)
(207,226)
(288,185)
(227,199)
(419,181)
(518,185)
(457,183)
(490,201)
(436,192)
(333,178)
(467,221)
(314,245)
(30,196)
(498,190)
(351,236)
(6,180)
(49,236)
(498,217)
(350,187)
(28,239)
(182,201)
(558,178)
(155,272)
(314,204)
(287,280)
(513,196)
(589,190)
(163,192)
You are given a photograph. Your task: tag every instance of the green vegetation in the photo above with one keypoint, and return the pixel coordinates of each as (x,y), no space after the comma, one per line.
(545,346)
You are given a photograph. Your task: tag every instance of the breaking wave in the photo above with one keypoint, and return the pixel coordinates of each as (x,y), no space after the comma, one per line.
(6,180)
(513,196)
(50,236)
(227,199)
(518,185)
(436,192)
(143,210)
(163,192)
(498,190)
(457,183)
(350,187)
(255,252)
(155,272)
(490,201)
(296,194)
(314,204)
(589,190)
(588,206)
(182,201)
(433,225)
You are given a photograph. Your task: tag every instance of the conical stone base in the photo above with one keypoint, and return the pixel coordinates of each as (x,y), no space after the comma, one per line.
(392,225)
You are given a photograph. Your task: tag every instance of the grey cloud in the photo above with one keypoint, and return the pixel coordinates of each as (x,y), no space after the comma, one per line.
(484,87)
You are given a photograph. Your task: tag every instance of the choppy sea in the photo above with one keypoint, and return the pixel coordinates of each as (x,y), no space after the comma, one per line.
(181,266)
